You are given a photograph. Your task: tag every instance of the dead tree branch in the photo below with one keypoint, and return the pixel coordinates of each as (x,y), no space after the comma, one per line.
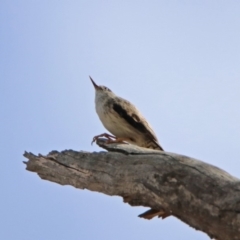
(201,195)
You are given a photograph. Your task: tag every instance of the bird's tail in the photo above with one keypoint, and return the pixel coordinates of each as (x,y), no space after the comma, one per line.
(154,145)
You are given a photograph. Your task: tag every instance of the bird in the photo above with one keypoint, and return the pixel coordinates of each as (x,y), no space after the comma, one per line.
(122,119)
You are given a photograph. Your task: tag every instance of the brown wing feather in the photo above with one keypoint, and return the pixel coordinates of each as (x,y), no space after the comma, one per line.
(130,114)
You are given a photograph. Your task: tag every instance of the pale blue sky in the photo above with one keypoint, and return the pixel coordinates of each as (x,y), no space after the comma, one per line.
(177,61)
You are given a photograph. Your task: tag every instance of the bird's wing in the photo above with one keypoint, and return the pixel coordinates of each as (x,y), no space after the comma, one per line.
(132,116)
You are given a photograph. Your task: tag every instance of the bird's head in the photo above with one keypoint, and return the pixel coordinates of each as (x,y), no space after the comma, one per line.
(101,90)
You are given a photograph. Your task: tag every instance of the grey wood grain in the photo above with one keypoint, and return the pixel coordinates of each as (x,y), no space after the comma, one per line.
(201,195)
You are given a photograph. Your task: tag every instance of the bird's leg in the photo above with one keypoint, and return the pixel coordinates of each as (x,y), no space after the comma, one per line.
(106,135)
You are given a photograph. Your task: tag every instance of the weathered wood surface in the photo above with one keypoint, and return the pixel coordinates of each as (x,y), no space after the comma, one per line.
(201,195)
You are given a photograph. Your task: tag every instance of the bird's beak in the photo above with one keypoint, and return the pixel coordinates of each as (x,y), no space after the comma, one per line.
(94,84)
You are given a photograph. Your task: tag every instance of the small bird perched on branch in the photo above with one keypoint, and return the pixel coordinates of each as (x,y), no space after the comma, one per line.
(126,123)
(123,120)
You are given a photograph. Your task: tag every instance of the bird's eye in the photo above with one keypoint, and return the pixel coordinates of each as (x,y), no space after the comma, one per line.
(107,89)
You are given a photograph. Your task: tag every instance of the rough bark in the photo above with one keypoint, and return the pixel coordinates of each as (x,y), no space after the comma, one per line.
(201,195)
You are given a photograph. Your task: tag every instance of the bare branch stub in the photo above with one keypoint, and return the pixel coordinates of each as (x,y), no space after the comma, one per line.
(201,195)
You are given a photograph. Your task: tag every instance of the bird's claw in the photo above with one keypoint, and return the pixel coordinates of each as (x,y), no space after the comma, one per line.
(94,140)
(106,135)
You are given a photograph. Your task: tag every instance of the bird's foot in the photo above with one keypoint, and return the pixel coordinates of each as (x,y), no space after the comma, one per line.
(118,140)
(106,135)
